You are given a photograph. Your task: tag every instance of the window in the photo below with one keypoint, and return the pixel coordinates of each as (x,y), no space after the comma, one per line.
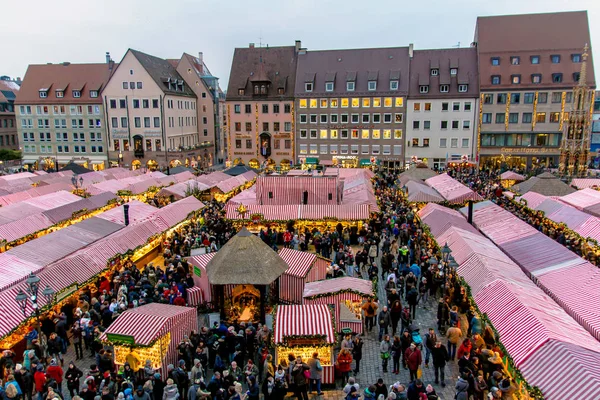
(454,142)
(569,97)
(355,103)
(137,122)
(543,97)
(466,124)
(275,108)
(145,103)
(136,103)
(387,118)
(372,85)
(541,140)
(365,134)
(354,134)
(444,124)
(354,149)
(463,88)
(453,71)
(43,94)
(313,149)
(393,85)
(387,102)
(526,118)
(364,149)
(333,103)
(398,118)
(515,98)
(535,59)
(303,120)
(238,126)
(427,106)
(501,98)
(350,86)
(456,106)
(265,108)
(248,143)
(486,118)
(146,122)
(76,94)
(323,118)
(444,88)
(265,126)
(122,103)
(528,98)
(355,118)
(236,108)
(276,144)
(397,149)
(500,118)
(444,106)
(323,149)
(576,58)
(287,108)
(554,117)
(556,97)
(426,125)
(540,117)
(416,124)
(313,118)
(157,122)
(536,78)
(387,133)
(464,142)
(513,118)
(113,103)
(495,61)
(154,103)
(423,89)
(415,142)
(557,78)
(308,87)
(313,133)
(387,149)
(114,122)
(555,58)
(344,134)
(435,71)
(443,142)
(345,103)
(323,134)
(576,76)
(455,124)
(312,103)
(467,106)
(247,108)
(376,118)
(329,86)
(425,142)
(366,102)
(417,107)
(495,79)
(514,60)
(515,79)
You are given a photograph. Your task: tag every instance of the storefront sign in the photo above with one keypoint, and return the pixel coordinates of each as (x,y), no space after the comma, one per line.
(345,157)
(246,153)
(299,341)
(66,292)
(281,153)
(197,271)
(152,133)
(125,339)
(529,150)
(119,134)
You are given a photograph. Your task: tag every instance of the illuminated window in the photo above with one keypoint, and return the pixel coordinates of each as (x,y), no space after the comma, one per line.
(355,103)
(417,107)
(354,133)
(387,133)
(303,103)
(397,133)
(427,106)
(540,117)
(554,117)
(377,102)
(366,102)
(345,103)
(323,133)
(313,103)
(333,103)
(333,134)
(376,134)
(398,118)
(303,149)
(313,149)
(399,101)
(324,103)
(387,102)
(365,134)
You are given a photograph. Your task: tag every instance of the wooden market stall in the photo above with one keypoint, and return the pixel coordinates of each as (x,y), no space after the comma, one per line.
(510,178)
(346,295)
(150,332)
(304,267)
(303,330)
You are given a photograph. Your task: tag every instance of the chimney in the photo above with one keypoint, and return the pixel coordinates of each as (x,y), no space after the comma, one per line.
(298,45)
(107,57)
(126,214)
(470,214)
(201,59)
(251,45)
(19,80)
(410,50)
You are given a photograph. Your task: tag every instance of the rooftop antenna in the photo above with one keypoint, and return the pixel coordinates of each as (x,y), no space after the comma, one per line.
(457,46)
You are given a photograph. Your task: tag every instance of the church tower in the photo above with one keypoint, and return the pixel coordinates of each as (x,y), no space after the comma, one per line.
(575,146)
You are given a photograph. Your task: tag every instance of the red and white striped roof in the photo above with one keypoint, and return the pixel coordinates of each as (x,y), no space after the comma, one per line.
(295,211)
(421,193)
(513,176)
(146,323)
(451,189)
(332,286)
(583,183)
(304,320)
(270,213)
(201,260)
(582,198)
(533,199)
(439,219)
(299,261)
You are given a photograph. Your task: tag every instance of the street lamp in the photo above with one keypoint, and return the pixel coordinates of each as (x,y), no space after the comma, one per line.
(77,183)
(446,252)
(33,286)
(120,158)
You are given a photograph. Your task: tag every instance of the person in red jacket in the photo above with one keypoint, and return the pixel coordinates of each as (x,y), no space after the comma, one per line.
(344,362)
(465,348)
(55,372)
(179,300)
(40,381)
(413,360)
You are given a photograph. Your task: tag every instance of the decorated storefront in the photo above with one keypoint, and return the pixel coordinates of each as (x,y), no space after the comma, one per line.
(303,330)
(150,332)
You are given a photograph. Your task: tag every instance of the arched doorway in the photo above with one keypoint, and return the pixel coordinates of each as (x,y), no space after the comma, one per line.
(265,144)
(152,165)
(138,146)
(285,165)
(174,163)
(270,164)
(237,161)
(254,163)
(136,164)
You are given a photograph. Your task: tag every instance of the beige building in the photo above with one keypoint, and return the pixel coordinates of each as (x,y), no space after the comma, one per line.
(152,115)
(60,118)
(8,125)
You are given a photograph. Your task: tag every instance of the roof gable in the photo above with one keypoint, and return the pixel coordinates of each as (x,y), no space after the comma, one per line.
(164,74)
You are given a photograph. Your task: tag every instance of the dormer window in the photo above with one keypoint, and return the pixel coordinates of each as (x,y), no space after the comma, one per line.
(444,88)
(435,71)
(308,87)
(350,86)
(241,92)
(93,93)
(280,91)
(372,85)
(536,78)
(60,93)
(76,94)
(263,89)
(43,94)
(329,86)
(453,71)
(393,85)
(424,89)
(463,88)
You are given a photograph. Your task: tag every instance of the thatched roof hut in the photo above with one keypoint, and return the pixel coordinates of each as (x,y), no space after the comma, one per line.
(245,260)
(418,172)
(546,184)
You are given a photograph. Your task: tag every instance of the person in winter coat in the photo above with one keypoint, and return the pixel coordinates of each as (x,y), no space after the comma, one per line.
(453,334)
(395,315)
(27,383)
(344,362)
(415,389)
(369,393)
(373,252)
(316,373)
(170,392)
(443,314)
(384,320)
(384,351)
(412,298)
(40,381)
(55,372)
(396,354)
(413,360)
(140,394)
(465,348)
(73,375)
(357,352)
(462,388)
(439,356)
(300,381)
(480,387)
(381,389)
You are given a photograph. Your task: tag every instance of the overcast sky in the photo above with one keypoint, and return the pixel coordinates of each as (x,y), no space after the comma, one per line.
(41,31)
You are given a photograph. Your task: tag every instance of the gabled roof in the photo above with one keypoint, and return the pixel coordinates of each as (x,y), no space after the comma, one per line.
(66,77)
(8,91)
(162,72)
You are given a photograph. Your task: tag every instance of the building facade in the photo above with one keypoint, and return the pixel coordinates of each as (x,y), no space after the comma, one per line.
(442,106)
(527,74)
(9,138)
(260,106)
(152,115)
(60,117)
(351,106)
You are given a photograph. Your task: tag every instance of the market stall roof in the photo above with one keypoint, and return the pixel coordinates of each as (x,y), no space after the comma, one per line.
(452,190)
(303,320)
(137,211)
(418,172)
(439,219)
(299,261)
(76,168)
(176,212)
(179,169)
(421,193)
(239,169)
(546,184)
(228,185)
(533,199)
(347,212)
(586,183)
(213,178)
(65,212)
(245,197)
(32,206)
(148,322)
(33,192)
(582,199)
(245,259)
(332,286)
(513,176)
(269,213)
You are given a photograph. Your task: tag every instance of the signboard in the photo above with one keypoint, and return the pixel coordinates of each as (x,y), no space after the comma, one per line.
(197,271)
(119,134)
(66,292)
(125,339)
(212,318)
(300,341)
(152,133)
(529,150)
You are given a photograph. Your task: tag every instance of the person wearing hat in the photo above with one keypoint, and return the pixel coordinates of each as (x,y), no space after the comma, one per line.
(352,394)
(171,391)
(140,394)
(380,389)
(55,372)
(40,381)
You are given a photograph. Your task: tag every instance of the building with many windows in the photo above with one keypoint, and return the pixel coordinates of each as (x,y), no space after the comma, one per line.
(528,66)
(152,115)
(442,106)
(260,106)
(350,106)
(60,118)
(9,138)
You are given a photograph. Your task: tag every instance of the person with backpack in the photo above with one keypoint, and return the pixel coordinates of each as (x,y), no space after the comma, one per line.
(357,346)
(412,297)
(384,320)
(370,310)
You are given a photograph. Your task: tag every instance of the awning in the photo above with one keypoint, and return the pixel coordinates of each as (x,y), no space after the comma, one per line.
(326,162)
(311,160)
(364,162)
(28,161)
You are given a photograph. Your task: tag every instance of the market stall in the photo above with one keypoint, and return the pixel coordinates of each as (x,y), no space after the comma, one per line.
(151,332)
(345,294)
(303,330)
(510,178)
(304,267)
